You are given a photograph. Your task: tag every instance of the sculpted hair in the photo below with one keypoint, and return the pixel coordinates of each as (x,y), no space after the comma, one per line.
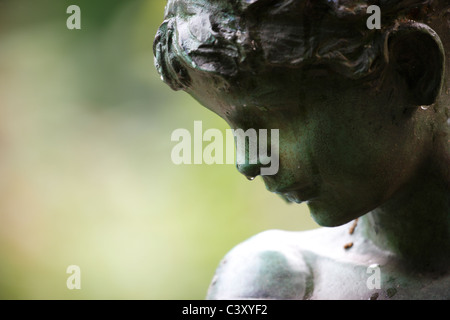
(244,36)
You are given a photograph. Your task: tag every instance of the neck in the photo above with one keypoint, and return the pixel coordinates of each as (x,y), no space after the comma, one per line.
(415,224)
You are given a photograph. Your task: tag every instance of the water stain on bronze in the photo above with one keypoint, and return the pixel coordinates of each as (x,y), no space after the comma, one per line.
(348,245)
(353,227)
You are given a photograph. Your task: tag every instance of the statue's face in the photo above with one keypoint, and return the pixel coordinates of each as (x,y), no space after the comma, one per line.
(345,146)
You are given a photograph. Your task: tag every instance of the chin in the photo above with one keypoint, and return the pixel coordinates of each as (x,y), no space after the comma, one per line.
(330,215)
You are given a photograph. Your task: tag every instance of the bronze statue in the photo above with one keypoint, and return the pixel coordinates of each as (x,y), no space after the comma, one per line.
(363,116)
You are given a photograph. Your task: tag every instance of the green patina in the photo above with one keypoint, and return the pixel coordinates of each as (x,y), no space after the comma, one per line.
(364,132)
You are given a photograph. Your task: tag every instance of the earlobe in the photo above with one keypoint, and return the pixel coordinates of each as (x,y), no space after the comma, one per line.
(416,54)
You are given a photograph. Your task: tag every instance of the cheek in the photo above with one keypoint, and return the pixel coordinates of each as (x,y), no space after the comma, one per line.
(361,163)
(353,181)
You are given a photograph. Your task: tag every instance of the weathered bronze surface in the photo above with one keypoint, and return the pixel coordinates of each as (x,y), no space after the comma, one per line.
(364,125)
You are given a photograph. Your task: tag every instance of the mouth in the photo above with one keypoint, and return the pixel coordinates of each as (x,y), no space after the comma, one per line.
(298,193)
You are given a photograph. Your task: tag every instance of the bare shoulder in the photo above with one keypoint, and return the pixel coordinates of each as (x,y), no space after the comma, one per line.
(324,263)
(268,265)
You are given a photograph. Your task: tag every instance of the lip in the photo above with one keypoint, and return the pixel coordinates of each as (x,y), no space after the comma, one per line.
(298,193)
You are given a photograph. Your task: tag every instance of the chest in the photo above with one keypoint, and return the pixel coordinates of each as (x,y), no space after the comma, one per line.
(371,281)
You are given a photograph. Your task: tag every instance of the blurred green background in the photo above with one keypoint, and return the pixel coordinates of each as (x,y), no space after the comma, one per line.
(86,176)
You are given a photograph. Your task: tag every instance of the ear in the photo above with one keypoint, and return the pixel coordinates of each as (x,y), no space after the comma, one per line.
(417,55)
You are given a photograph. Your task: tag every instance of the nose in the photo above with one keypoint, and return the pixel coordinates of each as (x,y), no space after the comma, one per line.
(252,158)
(250,171)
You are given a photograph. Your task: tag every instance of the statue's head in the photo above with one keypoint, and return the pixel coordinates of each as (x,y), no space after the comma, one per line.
(361,112)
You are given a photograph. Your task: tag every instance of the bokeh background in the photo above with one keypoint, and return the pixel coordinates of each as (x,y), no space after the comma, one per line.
(86,176)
